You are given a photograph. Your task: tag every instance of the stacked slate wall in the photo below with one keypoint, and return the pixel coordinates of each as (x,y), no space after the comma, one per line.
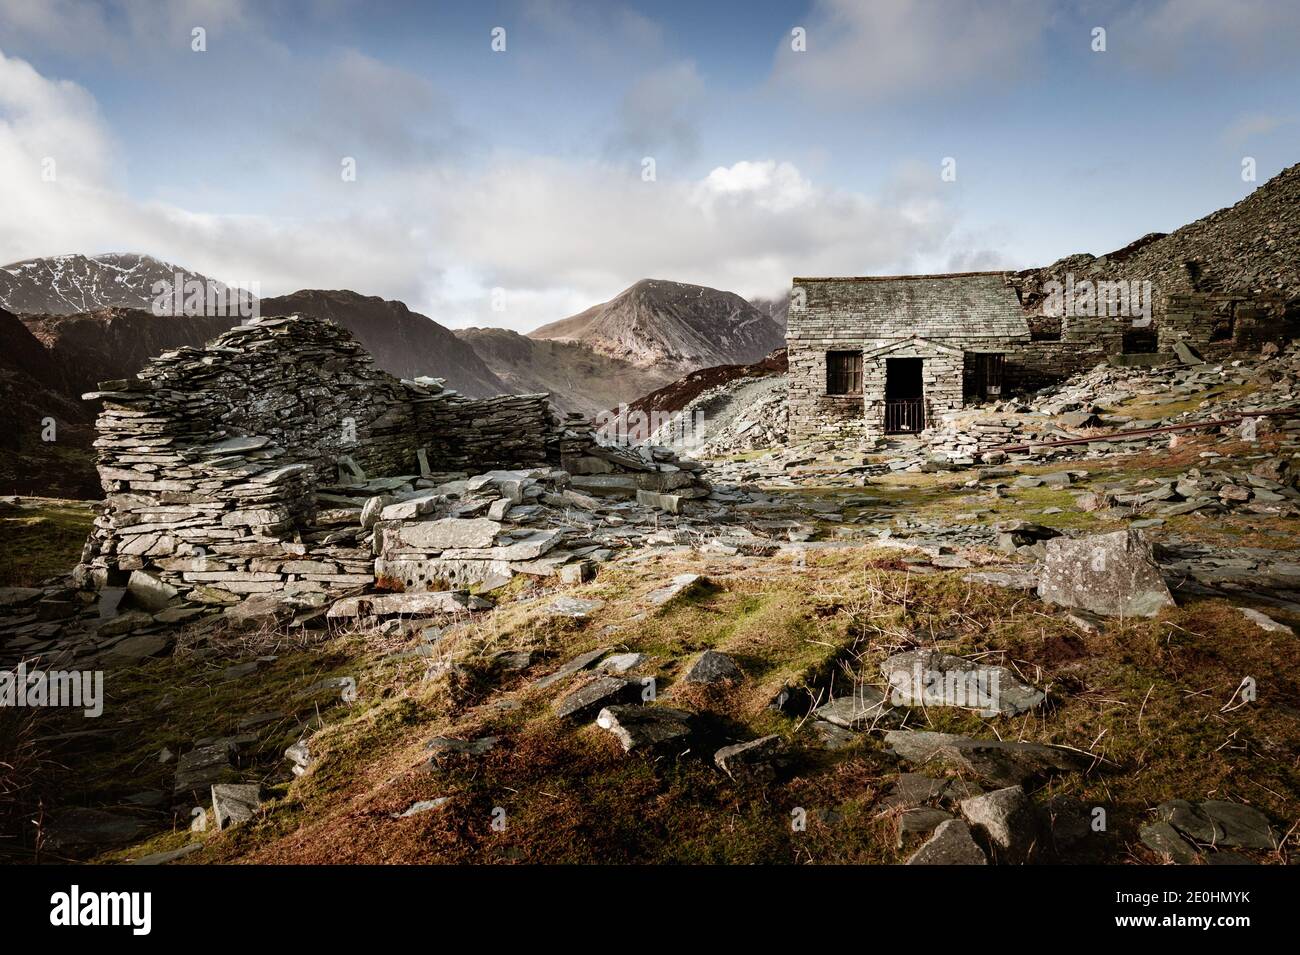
(212,458)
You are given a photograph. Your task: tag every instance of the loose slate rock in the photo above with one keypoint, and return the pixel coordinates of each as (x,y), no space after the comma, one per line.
(470,747)
(914,824)
(998,762)
(423,805)
(679,586)
(951,844)
(162,858)
(79,827)
(602,692)
(754,756)
(621,662)
(1110,574)
(1265,622)
(1243,827)
(713,667)
(576,665)
(233,803)
(1164,839)
(204,766)
(912,790)
(299,756)
(1189,820)
(1007,818)
(643,727)
(932,678)
(865,708)
(833,737)
(574,607)
(135,650)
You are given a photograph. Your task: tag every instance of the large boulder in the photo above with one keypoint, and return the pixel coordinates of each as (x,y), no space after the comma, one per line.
(1110,574)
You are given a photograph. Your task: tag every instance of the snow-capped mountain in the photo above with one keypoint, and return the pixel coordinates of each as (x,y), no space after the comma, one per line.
(72,284)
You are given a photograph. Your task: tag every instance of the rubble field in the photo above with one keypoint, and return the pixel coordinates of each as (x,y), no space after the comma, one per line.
(924,650)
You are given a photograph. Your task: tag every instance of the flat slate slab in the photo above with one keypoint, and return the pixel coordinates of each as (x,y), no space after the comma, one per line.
(601,692)
(1164,839)
(679,586)
(203,766)
(574,607)
(951,844)
(135,650)
(866,707)
(747,757)
(78,827)
(933,678)
(1217,822)
(1007,818)
(579,663)
(998,762)
(412,604)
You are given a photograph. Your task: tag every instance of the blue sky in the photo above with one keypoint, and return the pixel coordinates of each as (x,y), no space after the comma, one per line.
(521,172)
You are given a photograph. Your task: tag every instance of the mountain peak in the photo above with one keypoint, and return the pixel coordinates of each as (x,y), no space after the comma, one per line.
(675,326)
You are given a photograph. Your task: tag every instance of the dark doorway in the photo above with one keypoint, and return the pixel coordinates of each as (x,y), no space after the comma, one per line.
(1140,341)
(904,396)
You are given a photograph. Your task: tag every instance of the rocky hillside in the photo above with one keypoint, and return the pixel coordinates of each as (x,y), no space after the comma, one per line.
(1252,246)
(671,326)
(116,342)
(35,387)
(676,395)
(68,284)
(404,343)
(777,309)
(576,377)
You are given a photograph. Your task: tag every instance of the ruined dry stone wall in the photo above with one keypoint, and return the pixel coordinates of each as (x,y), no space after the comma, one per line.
(212,459)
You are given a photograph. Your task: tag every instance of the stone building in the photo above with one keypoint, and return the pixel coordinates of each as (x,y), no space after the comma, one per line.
(891,354)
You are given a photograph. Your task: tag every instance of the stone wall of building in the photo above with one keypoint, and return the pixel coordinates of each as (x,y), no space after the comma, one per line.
(1219,323)
(937,317)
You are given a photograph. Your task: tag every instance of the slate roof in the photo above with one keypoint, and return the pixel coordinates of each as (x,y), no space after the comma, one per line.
(959,305)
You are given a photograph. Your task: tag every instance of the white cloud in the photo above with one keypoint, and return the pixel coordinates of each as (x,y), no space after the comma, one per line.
(890,48)
(556,235)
